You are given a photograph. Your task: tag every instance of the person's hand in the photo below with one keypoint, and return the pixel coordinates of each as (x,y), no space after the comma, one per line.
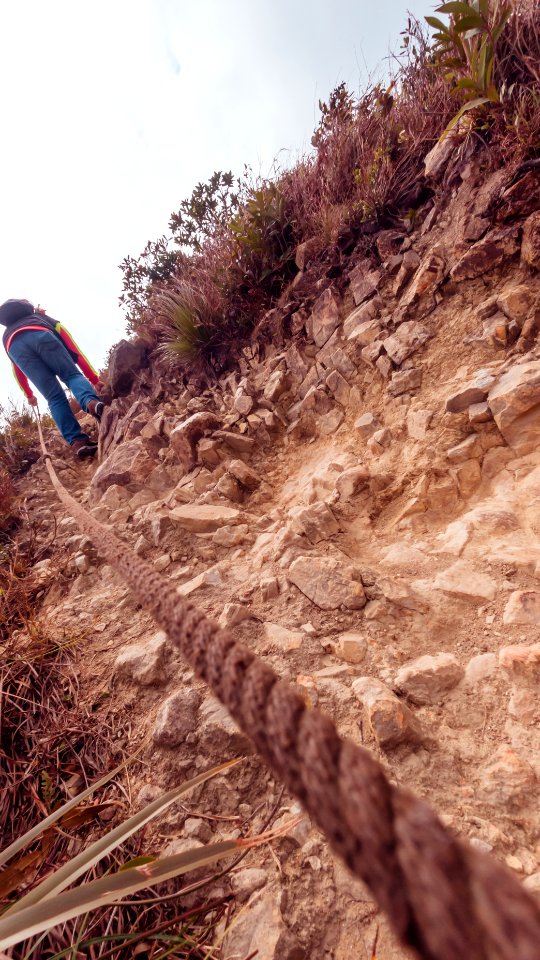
(40,309)
(33,401)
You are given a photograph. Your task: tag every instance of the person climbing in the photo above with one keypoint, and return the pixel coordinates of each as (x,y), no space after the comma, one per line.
(41,350)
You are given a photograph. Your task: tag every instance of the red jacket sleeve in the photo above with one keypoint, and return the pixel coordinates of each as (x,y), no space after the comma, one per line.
(82,361)
(22,380)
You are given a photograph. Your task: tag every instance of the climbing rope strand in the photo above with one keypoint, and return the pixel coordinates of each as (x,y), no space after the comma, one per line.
(444,899)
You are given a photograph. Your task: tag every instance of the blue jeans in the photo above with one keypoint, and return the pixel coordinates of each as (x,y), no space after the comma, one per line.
(43,358)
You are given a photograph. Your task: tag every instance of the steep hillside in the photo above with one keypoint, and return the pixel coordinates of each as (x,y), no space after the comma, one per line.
(359,501)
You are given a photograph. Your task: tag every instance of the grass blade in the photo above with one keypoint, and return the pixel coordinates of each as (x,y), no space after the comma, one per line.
(72,870)
(48,913)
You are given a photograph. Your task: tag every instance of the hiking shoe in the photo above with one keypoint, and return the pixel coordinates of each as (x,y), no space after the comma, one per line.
(96,408)
(84,449)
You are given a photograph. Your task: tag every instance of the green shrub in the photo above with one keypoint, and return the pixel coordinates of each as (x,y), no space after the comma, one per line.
(465,49)
(209,208)
(264,238)
(211,205)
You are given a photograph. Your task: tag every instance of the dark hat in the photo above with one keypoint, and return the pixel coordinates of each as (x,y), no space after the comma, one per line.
(13,310)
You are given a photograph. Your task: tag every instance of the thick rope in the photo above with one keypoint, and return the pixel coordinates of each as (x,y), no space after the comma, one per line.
(444,899)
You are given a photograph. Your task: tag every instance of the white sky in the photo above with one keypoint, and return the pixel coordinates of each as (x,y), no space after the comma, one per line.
(112,111)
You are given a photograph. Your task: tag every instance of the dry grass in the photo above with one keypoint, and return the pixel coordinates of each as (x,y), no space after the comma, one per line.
(369,152)
(50,748)
(151,931)
(48,741)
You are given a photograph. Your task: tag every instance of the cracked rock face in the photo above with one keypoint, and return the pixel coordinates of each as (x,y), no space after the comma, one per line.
(515,404)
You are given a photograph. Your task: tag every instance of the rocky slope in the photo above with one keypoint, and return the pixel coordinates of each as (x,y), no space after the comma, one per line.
(360,501)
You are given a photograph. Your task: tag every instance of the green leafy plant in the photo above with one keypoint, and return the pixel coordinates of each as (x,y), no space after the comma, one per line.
(264,237)
(338,112)
(156,264)
(465,49)
(212,205)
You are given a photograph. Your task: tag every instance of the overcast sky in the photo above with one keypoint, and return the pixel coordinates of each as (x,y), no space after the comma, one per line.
(112,111)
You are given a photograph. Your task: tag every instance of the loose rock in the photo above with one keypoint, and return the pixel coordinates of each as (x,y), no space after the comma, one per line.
(476,391)
(480,668)
(316,522)
(515,404)
(523,607)
(507,779)
(367,424)
(233,614)
(185,436)
(408,337)
(328,583)
(261,928)
(530,245)
(351,647)
(427,678)
(127,464)
(405,381)
(463,581)
(364,281)
(176,718)
(143,662)
(324,318)
(203,518)
(282,638)
(486,254)
(390,720)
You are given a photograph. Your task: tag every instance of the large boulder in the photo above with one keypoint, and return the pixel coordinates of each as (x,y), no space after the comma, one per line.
(127,358)
(515,404)
(186,435)
(129,465)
